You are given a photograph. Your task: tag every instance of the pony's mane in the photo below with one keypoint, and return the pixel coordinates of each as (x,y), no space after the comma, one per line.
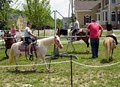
(44,40)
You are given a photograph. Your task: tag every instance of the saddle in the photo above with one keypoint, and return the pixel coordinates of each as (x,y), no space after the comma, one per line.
(24,47)
(114,38)
(74,32)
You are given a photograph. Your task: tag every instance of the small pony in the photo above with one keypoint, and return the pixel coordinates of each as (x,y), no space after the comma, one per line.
(9,40)
(41,49)
(82,34)
(109,45)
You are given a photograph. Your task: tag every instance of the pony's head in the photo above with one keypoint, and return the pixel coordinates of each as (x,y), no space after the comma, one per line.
(57,42)
(7,35)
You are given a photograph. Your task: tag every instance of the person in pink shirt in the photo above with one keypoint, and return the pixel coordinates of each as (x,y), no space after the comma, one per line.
(13,30)
(95,30)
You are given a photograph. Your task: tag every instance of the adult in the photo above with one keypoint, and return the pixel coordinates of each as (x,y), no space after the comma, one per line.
(29,37)
(95,30)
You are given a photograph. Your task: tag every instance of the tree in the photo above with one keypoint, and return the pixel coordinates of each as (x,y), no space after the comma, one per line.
(38,12)
(4,10)
(59,23)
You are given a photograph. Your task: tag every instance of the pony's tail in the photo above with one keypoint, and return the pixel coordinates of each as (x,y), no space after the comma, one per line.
(107,50)
(11,56)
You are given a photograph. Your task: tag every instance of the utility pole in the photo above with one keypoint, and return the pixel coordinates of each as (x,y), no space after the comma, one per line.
(109,12)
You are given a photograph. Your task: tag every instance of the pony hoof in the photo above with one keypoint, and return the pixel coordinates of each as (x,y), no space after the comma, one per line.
(31,57)
(34,70)
(47,70)
(17,70)
(87,51)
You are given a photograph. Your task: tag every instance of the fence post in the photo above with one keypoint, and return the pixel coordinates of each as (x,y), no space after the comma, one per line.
(71,70)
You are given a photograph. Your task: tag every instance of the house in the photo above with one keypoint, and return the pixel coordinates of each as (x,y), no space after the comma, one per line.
(21,22)
(109,11)
(101,10)
(85,10)
(66,22)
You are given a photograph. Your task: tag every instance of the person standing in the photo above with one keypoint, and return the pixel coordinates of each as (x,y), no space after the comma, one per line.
(29,37)
(95,30)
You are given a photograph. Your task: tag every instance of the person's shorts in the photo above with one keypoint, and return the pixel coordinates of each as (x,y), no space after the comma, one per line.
(29,40)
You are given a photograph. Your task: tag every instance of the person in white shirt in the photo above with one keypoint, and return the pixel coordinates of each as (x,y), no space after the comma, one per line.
(29,36)
(75,26)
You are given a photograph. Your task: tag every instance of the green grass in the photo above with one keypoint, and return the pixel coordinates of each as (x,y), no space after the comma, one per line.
(60,73)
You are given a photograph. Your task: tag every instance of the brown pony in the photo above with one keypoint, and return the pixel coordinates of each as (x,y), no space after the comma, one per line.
(9,40)
(82,34)
(109,45)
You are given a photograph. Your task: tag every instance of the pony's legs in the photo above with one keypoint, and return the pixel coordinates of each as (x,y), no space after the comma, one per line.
(16,62)
(107,51)
(6,52)
(44,61)
(110,58)
(86,40)
(34,67)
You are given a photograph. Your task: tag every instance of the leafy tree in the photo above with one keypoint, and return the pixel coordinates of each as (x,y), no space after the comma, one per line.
(38,12)
(59,23)
(4,10)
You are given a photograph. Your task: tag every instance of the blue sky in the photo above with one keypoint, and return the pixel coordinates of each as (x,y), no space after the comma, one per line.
(62,6)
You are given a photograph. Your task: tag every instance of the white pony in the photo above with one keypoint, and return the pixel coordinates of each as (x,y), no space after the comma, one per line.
(41,49)
(109,45)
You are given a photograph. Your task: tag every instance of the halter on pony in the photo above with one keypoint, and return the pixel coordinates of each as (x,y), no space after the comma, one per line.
(57,42)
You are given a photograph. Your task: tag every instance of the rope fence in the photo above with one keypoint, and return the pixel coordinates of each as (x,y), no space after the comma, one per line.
(78,63)
(95,66)
(70,61)
(12,66)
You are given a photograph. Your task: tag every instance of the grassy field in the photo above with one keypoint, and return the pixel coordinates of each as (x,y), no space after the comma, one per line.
(85,74)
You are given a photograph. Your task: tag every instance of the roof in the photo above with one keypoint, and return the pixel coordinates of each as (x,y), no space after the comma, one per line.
(85,5)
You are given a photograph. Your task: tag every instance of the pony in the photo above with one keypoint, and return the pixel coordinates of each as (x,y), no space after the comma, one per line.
(109,45)
(82,34)
(41,49)
(9,40)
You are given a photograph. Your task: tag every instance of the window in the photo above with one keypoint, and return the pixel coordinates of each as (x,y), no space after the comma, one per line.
(99,5)
(106,2)
(113,16)
(113,1)
(87,19)
(106,14)
(98,17)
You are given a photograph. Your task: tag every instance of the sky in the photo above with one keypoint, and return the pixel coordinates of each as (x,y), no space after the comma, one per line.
(62,6)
